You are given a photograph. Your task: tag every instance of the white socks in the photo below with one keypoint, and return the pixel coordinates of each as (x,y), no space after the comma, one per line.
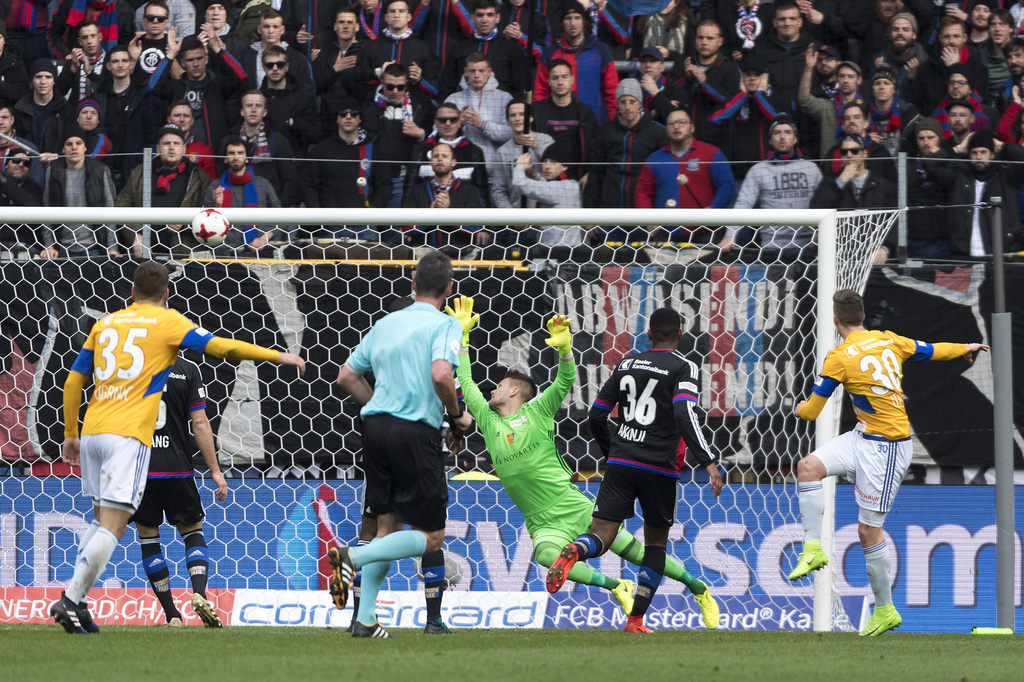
(92,559)
(812,507)
(877,560)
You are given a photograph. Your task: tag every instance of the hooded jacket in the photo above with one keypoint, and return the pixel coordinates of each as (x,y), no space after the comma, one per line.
(508,62)
(490,103)
(594,69)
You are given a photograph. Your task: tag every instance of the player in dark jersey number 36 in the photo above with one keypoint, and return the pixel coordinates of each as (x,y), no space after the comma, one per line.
(656,392)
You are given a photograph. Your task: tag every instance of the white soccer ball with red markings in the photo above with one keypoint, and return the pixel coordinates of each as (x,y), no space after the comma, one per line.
(211,227)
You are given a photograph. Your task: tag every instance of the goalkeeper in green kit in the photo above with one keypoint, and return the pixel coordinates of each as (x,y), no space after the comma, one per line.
(518,428)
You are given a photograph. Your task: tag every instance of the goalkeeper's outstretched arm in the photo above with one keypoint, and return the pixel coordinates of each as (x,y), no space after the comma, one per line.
(560,337)
(476,404)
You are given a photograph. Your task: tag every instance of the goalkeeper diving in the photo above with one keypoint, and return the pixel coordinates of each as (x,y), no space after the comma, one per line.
(518,428)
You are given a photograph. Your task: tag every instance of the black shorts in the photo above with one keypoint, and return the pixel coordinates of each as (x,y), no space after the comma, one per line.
(622,485)
(404,472)
(178,498)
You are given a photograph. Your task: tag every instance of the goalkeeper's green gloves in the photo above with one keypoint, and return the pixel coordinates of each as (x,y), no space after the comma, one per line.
(558,327)
(464,314)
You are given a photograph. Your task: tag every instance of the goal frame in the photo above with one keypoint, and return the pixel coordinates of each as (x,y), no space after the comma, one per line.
(825,221)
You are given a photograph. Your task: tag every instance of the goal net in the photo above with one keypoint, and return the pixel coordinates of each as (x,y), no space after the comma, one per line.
(758,322)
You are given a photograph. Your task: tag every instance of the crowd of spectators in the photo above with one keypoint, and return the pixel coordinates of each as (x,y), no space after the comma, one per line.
(421,103)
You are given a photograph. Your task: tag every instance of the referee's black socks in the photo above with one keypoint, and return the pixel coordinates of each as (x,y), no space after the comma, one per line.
(433,583)
(652,570)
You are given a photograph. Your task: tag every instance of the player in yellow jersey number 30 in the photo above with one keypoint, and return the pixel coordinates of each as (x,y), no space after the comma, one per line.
(876,453)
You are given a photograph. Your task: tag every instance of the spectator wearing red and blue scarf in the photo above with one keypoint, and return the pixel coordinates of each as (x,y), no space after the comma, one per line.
(660,94)
(239,187)
(828,111)
(26,28)
(889,115)
(959,88)
(747,118)
(950,51)
(61,33)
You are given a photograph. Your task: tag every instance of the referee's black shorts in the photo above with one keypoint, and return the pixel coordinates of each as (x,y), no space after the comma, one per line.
(404,472)
(178,498)
(622,485)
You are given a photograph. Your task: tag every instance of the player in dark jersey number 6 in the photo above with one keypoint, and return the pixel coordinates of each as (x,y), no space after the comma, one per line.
(657,395)
(171,490)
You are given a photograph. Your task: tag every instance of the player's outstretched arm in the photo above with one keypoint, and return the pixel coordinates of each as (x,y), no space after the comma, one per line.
(559,337)
(937,352)
(231,349)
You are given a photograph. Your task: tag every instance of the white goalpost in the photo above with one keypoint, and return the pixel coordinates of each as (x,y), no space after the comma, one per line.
(761,327)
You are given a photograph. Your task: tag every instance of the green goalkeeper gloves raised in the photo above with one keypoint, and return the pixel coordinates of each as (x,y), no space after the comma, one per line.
(558,328)
(464,314)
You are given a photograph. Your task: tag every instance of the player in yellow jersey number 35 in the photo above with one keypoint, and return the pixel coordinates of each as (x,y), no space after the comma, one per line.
(129,354)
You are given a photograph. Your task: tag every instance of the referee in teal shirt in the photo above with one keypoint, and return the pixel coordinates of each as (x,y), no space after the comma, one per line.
(412,354)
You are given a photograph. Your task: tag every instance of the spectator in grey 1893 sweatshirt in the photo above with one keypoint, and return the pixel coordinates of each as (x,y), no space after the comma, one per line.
(784,180)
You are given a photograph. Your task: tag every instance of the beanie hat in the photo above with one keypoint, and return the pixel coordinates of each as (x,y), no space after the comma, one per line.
(983,139)
(43,64)
(86,103)
(909,17)
(630,87)
(931,124)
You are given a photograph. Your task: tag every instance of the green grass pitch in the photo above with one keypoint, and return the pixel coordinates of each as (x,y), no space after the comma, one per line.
(46,652)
